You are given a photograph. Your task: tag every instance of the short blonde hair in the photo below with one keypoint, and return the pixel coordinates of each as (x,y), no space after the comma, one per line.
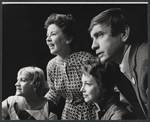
(36,75)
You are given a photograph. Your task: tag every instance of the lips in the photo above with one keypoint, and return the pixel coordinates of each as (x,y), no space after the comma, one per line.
(84,95)
(18,89)
(100,54)
(51,46)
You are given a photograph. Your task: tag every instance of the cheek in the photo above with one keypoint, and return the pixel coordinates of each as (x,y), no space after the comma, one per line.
(92,92)
(59,42)
(56,40)
(95,94)
(114,47)
(109,45)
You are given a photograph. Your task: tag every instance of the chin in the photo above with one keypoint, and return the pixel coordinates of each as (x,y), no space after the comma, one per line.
(17,94)
(104,60)
(53,53)
(87,100)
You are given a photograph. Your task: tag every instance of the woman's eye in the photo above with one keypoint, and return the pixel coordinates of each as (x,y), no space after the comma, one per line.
(89,84)
(53,34)
(23,80)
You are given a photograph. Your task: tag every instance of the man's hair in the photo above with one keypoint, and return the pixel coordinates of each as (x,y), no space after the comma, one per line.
(99,72)
(36,75)
(116,18)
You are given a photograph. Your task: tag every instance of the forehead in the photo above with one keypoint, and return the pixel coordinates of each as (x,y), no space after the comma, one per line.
(23,74)
(100,28)
(89,79)
(53,27)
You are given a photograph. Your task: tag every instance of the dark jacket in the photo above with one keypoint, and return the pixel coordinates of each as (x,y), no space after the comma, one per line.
(126,88)
(113,109)
(137,72)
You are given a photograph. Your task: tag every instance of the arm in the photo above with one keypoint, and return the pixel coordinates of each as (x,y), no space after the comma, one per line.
(52,116)
(5,108)
(52,94)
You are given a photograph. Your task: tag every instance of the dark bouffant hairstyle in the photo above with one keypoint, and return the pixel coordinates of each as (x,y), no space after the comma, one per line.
(100,73)
(65,22)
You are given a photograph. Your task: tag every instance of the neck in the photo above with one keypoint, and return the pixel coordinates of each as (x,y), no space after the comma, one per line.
(125,49)
(119,56)
(65,54)
(106,98)
(101,104)
(33,101)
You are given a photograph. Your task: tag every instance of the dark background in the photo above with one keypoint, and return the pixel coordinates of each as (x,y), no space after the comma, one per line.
(24,36)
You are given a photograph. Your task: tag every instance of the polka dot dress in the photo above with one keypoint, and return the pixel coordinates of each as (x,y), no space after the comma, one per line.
(64,79)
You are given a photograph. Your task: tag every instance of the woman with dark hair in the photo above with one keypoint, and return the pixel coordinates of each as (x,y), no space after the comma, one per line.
(98,87)
(64,70)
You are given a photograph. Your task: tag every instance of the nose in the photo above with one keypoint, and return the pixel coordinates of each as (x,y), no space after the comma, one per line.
(94,45)
(48,39)
(17,83)
(82,88)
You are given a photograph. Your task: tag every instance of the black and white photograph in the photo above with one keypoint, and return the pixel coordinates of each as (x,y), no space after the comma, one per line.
(74,61)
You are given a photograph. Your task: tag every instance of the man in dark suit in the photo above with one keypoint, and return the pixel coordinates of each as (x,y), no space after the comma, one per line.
(110,31)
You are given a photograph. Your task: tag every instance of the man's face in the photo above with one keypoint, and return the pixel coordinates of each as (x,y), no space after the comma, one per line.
(107,47)
(91,91)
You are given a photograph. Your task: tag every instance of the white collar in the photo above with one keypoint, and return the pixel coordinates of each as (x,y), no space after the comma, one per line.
(124,66)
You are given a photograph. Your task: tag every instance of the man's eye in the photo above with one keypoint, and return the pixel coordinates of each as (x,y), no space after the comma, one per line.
(97,35)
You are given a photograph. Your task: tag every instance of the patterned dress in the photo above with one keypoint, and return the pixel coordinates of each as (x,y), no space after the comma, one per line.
(11,110)
(64,79)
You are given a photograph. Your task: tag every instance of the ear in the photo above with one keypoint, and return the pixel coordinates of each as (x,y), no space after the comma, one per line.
(125,33)
(36,86)
(69,40)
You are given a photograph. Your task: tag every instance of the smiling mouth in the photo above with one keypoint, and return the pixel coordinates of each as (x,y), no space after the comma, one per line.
(18,89)
(100,55)
(51,45)
(85,96)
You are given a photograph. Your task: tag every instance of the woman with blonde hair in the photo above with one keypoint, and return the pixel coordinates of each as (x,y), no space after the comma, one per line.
(28,103)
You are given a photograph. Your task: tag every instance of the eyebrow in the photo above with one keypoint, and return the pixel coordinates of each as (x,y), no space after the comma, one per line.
(88,82)
(98,32)
(51,32)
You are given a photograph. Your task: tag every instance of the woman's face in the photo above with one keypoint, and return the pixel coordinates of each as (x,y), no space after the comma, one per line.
(24,86)
(56,40)
(91,91)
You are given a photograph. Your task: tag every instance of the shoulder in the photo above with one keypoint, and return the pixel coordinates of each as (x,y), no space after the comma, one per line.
(143,48)
(83,55)
(51,62)
(140,48)
(121,113)
(10,100)
(140,56)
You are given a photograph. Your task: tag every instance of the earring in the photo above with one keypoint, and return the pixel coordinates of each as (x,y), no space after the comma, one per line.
(67,42)
(34,89)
